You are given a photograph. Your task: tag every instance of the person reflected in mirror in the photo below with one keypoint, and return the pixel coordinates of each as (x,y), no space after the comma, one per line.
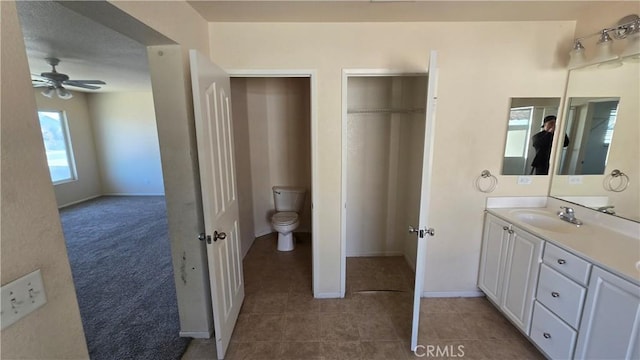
(542,143)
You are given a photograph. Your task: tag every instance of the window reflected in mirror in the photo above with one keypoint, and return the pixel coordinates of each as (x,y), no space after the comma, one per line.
(590,122)
(526,118)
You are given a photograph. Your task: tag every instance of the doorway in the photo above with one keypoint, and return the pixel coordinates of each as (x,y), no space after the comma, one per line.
(383,157)
(399,113)
(274,146)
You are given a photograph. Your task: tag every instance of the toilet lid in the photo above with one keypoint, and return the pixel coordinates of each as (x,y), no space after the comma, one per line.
(284,218)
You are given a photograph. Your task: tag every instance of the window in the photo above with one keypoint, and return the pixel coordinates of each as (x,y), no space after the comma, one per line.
(55,135)
(518,132)
(611,124)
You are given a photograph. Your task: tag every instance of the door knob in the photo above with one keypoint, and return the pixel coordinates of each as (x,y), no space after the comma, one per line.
(422,232)
(216,236)
(219,236)
(204,237)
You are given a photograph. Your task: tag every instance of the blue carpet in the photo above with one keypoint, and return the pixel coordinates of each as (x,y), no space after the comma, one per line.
(120,259)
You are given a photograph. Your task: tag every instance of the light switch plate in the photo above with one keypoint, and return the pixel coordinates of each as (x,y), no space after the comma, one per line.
(20,297)
(575,180)
(524,180)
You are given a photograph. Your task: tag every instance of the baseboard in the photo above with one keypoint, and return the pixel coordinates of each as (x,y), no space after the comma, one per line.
(449,294)
(333,295)
(380,253)
(79,201)
(197,334)
(133,194)
(263,233)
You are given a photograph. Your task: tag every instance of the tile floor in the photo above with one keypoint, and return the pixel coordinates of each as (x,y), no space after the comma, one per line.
(280,319)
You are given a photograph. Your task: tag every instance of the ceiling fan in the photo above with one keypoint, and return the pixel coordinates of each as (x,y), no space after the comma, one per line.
(53,81)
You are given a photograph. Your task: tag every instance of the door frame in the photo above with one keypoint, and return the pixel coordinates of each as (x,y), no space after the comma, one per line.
(346,73)
(312,74)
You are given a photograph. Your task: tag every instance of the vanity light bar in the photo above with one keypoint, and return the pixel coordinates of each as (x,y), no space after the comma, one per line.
(628,28)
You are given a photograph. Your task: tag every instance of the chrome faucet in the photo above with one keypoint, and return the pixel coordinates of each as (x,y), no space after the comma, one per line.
(607,209)
(569,215)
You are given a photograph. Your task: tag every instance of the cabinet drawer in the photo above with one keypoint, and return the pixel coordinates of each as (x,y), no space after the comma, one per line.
(566,263)
(551,334)
(561,295)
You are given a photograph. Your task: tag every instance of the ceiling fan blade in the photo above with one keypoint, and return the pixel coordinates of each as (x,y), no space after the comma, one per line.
(40,83)
(81,85)
(95,82)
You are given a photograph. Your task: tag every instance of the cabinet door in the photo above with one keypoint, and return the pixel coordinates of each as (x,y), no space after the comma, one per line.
(524,256)
(494,250)
(611,319)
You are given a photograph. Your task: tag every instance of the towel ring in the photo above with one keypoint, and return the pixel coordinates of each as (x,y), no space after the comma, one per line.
(483,186)
(617,181)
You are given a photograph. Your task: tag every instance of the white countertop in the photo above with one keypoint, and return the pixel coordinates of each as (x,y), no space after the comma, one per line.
(611,250)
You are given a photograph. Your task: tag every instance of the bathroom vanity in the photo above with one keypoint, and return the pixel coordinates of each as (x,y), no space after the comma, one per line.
(573,291)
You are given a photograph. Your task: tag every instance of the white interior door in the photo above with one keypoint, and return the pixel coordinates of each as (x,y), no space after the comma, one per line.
(212,108)
(423,227)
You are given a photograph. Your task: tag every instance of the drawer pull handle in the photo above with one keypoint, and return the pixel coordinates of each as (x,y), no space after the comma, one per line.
(555,294)
(547,335)
(562,261)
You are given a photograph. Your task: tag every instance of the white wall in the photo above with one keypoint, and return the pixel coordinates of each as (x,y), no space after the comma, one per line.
(169,69)
(384,162)
(126,140)
(482,65)
(242,152)
(88,184)
(276,112)
(30,230)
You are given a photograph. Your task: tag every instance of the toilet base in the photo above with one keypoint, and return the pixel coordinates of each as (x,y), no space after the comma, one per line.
(285,242)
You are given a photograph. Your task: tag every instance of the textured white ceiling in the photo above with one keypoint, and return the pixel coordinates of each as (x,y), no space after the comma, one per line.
(87,50)
(388,10)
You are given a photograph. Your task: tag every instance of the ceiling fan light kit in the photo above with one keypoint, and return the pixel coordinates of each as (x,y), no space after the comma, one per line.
(54,81)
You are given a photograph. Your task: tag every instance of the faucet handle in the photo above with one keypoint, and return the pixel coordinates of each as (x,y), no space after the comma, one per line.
(568,210)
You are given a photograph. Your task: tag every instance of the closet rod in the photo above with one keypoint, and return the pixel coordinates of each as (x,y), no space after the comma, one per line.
(385,110)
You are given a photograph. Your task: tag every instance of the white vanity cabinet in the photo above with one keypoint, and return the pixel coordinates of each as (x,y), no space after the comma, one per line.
(509,266)
(493,254)
(560,296)
(610,325)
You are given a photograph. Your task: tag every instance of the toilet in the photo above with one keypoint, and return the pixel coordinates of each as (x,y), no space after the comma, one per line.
(288,201)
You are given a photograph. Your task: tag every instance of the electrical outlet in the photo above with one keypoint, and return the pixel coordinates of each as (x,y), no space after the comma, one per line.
(20,297)
(575,180)
(524,180)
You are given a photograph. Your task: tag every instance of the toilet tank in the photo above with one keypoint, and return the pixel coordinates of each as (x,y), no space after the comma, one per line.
(288,198)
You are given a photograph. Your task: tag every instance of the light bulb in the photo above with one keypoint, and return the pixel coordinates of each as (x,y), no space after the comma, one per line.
(63,93)
(604,49)
(632,47)
(576,55)
(48,92)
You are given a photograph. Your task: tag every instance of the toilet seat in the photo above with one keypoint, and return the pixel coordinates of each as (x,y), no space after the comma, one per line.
(284,218)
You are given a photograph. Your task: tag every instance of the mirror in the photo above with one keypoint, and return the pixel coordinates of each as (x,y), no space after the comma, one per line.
(589,122)
(527,139)
(587,171)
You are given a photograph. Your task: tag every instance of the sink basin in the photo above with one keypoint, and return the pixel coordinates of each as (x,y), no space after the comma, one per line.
(543,220)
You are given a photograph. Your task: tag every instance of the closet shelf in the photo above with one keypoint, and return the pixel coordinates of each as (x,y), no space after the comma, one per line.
(386,110)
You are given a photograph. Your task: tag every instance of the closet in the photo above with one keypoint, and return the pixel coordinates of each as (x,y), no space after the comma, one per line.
(384,145)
